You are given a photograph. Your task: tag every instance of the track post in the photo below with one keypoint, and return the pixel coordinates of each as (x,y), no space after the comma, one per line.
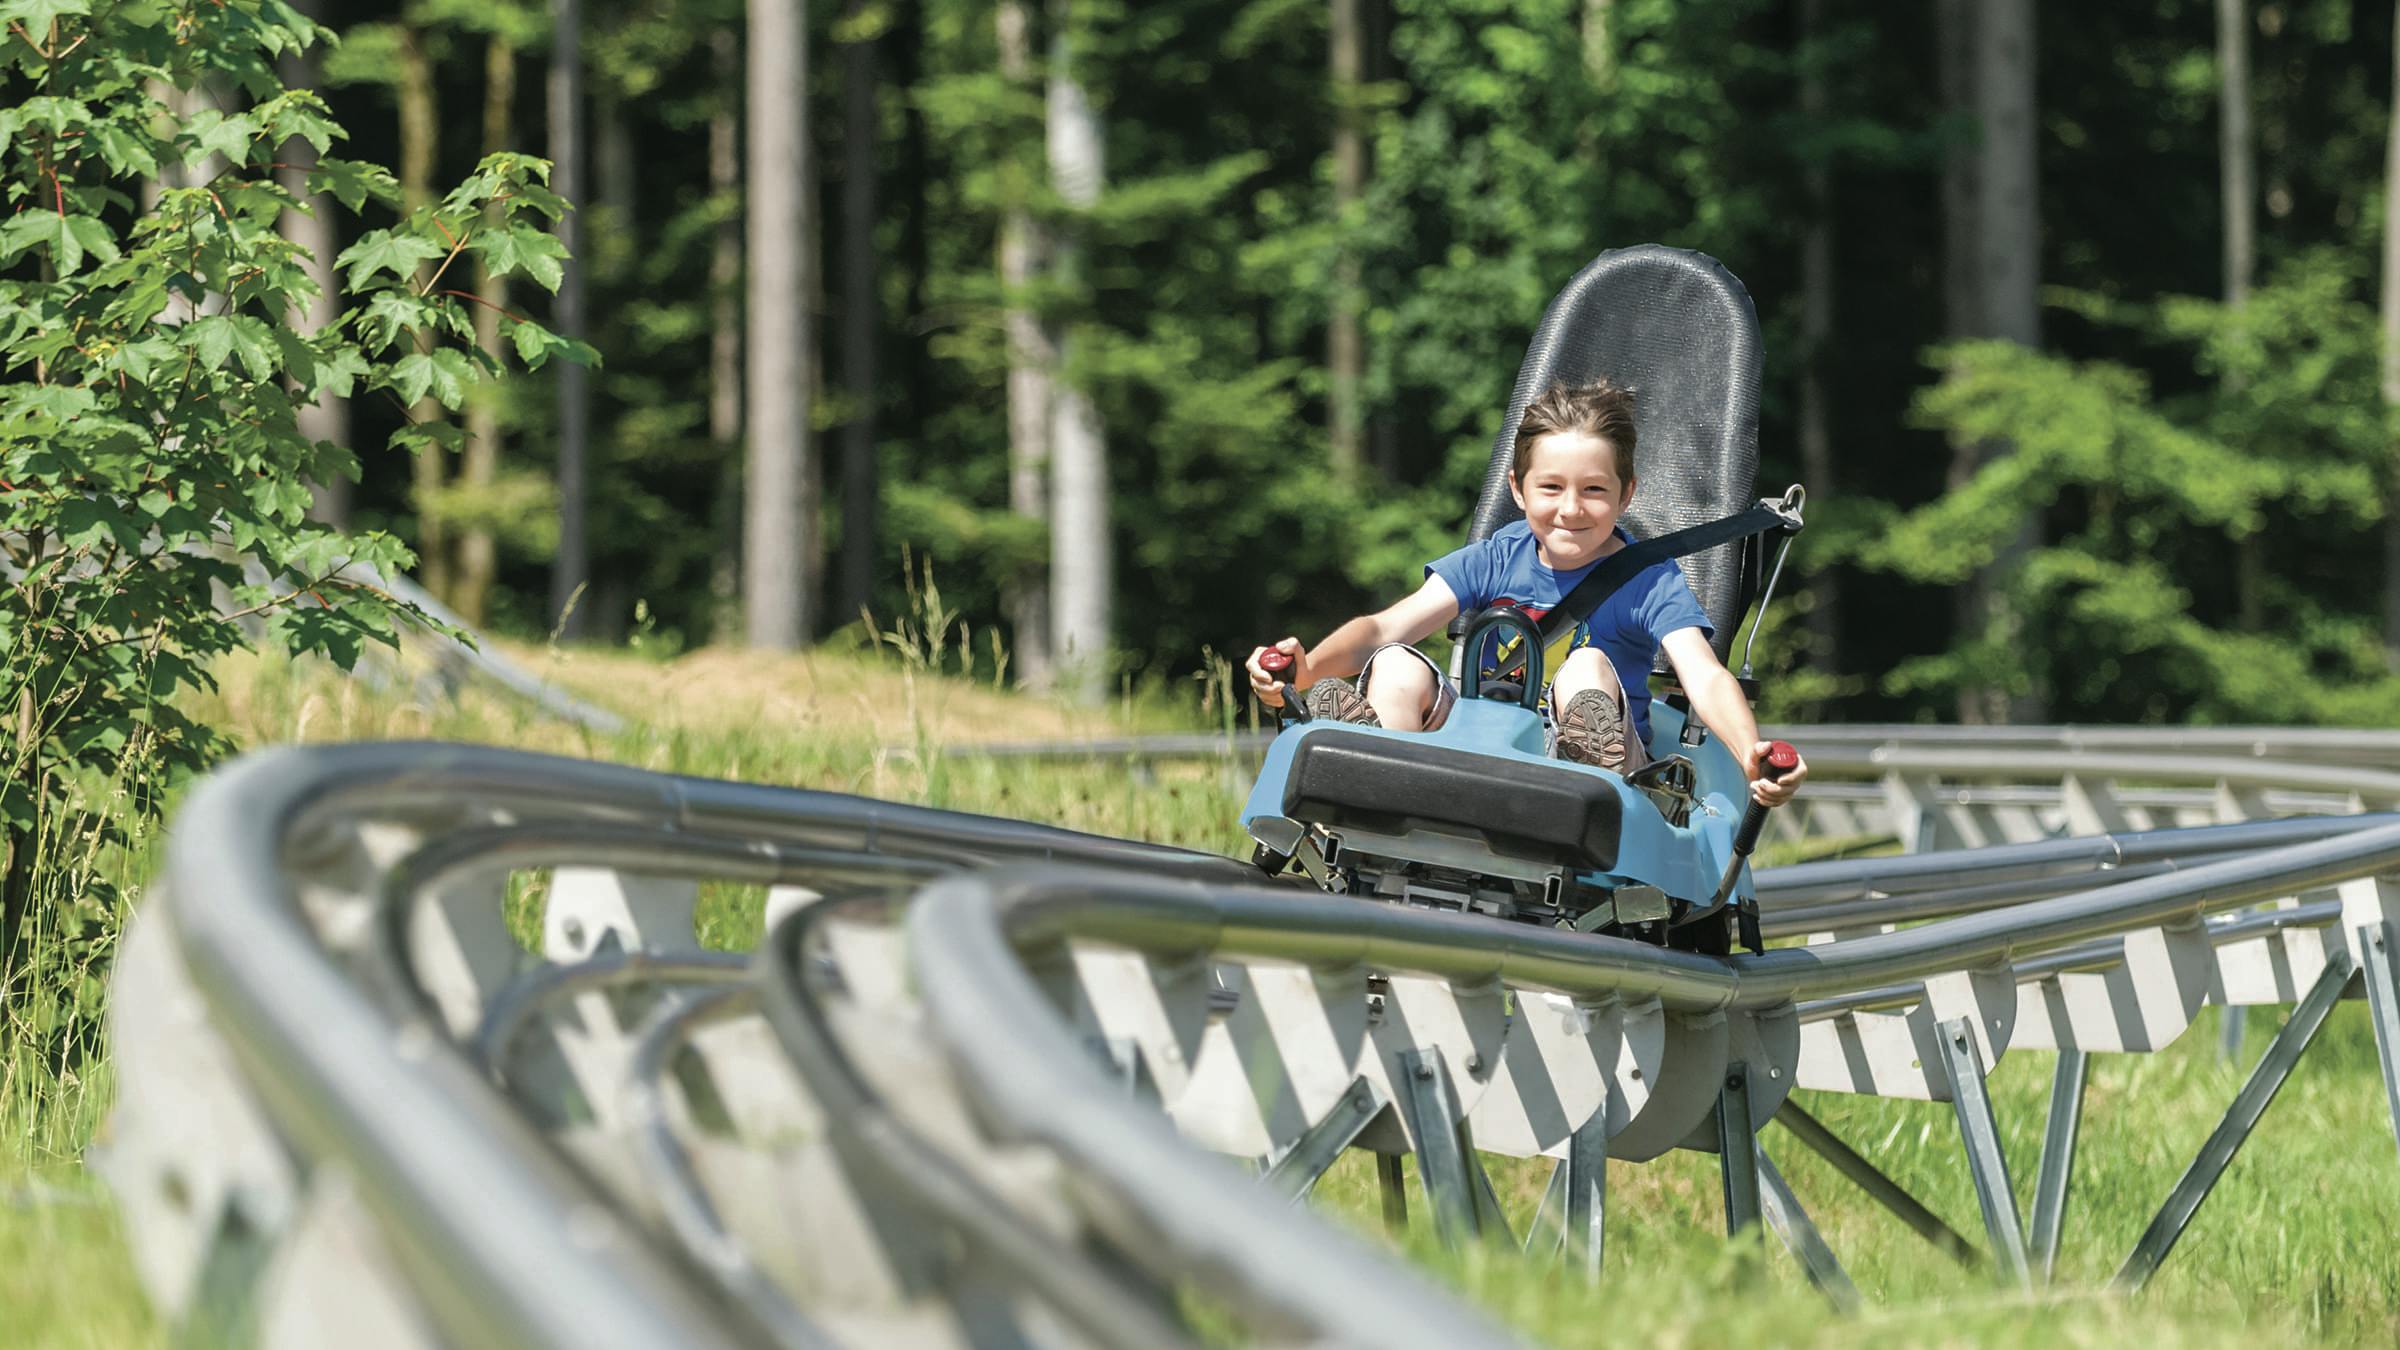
(1737,1150)
(1491,1221)
(2232,1028)
(1980,1134)
(1800,1236)
(2377,960)
(1442,1163)
(1587,1194)
(2275,1065)
(1395,1193)
(1568,1220)
(2058,1158)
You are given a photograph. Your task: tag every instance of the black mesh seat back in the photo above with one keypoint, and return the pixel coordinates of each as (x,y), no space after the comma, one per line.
(1679,330)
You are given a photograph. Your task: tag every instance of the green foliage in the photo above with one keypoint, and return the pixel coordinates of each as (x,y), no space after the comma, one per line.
(154,484)
(2128,609)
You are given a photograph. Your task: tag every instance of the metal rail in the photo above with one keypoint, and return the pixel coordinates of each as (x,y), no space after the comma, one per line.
(992,1044)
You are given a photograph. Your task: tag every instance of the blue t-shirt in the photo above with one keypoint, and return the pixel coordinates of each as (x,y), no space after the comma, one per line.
(1507,568)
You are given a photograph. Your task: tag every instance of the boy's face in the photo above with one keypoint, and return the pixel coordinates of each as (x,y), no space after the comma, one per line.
(1571,496)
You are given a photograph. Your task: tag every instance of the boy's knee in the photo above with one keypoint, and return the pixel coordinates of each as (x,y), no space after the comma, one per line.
(1586,668)
(1395,669)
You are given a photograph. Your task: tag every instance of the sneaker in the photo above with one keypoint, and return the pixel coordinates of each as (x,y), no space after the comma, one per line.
(1336,701)
(1591,730)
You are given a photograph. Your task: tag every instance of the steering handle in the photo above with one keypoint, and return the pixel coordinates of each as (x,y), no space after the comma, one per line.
(1780,759)
(1275,659)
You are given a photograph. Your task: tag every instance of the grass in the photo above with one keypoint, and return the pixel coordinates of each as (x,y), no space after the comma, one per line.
(2292,1246)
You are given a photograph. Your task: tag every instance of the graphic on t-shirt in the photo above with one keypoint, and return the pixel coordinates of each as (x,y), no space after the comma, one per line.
(1505,568)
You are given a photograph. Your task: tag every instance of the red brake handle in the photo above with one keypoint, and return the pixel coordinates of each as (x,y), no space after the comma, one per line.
(1779,760)
(1274,658)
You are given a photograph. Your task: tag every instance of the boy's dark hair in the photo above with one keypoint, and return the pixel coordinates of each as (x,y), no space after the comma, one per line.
(1599,409)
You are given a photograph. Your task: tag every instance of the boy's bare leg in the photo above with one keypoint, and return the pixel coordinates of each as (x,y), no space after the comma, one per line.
(1400,688)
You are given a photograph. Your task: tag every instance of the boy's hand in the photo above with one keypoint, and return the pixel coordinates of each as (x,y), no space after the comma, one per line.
(1771,791)
(1263,681)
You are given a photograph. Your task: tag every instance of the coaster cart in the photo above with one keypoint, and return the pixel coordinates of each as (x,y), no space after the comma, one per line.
(1475,816)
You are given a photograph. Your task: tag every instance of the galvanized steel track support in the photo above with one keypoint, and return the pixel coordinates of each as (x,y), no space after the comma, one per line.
(2058,1156)
(1869,1178)
(1980,1133)
(1571,1218)
(1800,1236)
(2249,1105)
(1443,1161)
(1491,1221)
(1737,1150)
(1395,1193)
(2376,942)
(2232,1028)
(1305,1163)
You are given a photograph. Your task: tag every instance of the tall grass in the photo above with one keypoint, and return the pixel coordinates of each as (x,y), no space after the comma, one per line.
(2293,1246)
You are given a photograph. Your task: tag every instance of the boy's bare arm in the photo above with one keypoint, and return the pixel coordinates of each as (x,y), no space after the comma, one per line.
(1717,696)
(1345,650)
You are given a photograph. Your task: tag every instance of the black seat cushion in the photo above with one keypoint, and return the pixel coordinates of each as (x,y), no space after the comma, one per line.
(1553,814)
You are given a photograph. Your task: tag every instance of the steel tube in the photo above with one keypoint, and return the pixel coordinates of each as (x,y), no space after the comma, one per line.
(2257,1093)
(1870,1178)
(476,1203)
(1164,1201)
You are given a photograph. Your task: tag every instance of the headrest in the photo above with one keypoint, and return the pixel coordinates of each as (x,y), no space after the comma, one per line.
(1679,330)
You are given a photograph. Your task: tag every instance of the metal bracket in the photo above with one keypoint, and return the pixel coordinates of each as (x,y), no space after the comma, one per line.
(1980,1134)
(1302,1165)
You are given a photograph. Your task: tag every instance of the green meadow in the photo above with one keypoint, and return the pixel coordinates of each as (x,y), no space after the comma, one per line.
(2293,1246)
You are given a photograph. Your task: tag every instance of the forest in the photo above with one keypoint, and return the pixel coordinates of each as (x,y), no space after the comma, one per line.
(1149,330)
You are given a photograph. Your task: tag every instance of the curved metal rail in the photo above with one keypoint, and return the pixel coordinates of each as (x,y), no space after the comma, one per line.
(956,1095)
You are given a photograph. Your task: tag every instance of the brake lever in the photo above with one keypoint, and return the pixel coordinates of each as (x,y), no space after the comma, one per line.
(1292,710)
(1781,759)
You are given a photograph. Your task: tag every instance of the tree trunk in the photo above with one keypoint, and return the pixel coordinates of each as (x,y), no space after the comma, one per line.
(2391,362)
(1599,42)
(24,846)
(571,570)
(1954,43)
(1031,360)
(2235,153)
(1345,344)
(328,418)
(862,323)
(616,174)
(2237,194)
(1816,327)
(478,551)
(780,498)
(2009,245)
(724,329)
(420,141)
(1081,580)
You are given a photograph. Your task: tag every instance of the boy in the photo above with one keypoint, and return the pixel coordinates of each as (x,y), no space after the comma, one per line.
(1572,475)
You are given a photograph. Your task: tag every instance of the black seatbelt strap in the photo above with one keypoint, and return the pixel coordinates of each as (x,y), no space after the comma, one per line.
(1586,596)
